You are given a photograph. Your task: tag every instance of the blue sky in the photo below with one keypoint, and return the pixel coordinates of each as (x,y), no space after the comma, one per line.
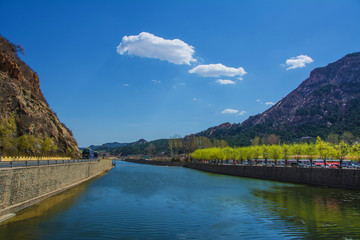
(154,86)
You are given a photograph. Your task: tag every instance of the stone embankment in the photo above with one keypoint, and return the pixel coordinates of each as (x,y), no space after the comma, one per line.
(340,178)
(24,186)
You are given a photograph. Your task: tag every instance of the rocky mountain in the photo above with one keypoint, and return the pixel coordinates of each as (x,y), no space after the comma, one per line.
(326,102)
(20,94)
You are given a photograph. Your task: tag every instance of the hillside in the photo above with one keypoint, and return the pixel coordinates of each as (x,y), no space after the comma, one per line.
(326,102)
(20,94)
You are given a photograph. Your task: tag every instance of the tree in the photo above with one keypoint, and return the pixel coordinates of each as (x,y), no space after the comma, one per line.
(171,144)
(287,152)
(275,152)
(220,143)
(333,138)
(296,149)
(347,137)
(355,151)
(255,152)
(46,145)
(205,142)
(151,149)
(7,134)
(323,149)
(25,144)
(69,151)
(341,150)
(272,139)
(265,153)
(310,152)
(255,141)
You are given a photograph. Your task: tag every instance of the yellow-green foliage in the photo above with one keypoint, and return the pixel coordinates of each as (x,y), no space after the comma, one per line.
(27,145)
(320,149)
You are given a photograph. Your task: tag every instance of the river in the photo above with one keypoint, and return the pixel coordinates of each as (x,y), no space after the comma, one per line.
(134,201)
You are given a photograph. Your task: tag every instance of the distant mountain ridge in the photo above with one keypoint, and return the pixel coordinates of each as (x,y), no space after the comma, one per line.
(108,145)
(326,102)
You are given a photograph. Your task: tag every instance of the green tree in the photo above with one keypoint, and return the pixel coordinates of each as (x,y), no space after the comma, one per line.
(341,150)
(265,153)
(46,145)
(255,152)
(296,149)
(256,141)
(275,152)
(25,144)
(7,134)
(323,149)
(286,149)
(355,151)
(310,152)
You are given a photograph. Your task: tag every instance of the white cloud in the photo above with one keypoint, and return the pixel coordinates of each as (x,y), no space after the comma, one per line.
(125,85)
(195,99)
(225,81)
(156,81)
(269,103)
(258,100)
(217,70)
(242,113)
(230,111)
(297,62)
(150,46)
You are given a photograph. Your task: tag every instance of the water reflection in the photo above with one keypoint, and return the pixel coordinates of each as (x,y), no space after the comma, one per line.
(39,212)
(324,212)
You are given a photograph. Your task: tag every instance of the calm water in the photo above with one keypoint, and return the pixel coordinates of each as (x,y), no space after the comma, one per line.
(135,201)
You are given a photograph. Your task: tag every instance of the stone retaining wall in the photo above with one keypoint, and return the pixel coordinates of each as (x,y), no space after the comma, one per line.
(25,186)
(342,178)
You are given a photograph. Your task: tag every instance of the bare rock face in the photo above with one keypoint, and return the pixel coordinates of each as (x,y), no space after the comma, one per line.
(20,94)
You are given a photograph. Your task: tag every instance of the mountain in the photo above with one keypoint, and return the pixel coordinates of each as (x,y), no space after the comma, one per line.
(326,102)
(20,94)
(107,145)
(141,147)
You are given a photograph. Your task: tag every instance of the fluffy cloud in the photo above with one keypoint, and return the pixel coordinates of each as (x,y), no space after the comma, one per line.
(150,46)
(225,81)
(217,70)
(297,62)
(230,111)
(269,103)
(156,81)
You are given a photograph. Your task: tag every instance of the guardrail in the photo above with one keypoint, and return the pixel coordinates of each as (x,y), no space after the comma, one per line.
(14,164)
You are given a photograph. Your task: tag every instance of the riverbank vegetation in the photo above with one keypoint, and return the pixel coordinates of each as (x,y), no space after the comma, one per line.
(319,150)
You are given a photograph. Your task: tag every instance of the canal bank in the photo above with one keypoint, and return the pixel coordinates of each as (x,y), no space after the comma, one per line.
(25,186)
(339,178)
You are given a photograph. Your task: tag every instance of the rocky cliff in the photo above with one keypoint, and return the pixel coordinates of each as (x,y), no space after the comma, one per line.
(326,102)
(20,94)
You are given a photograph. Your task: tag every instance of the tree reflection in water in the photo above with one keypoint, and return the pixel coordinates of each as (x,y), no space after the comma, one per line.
(324,212)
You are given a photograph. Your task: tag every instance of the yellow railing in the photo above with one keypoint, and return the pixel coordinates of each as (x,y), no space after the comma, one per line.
(22,158)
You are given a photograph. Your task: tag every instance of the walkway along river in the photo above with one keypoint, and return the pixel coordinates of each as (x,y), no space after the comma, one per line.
(137,201)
